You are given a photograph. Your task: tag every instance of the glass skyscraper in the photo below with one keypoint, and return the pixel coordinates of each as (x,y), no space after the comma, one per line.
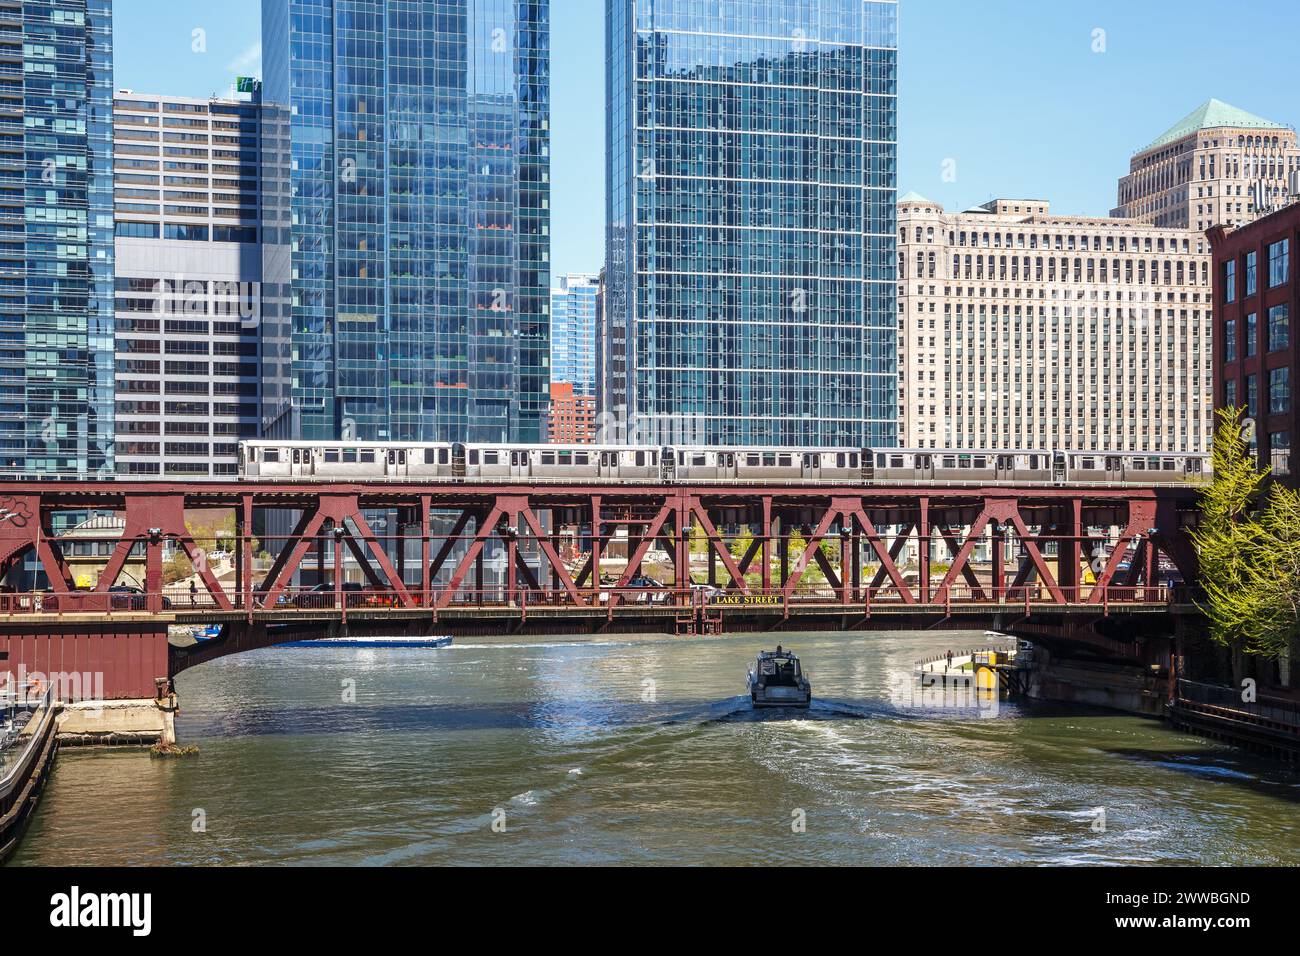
(406,219)
(573,332)
(56,237)
(751,225)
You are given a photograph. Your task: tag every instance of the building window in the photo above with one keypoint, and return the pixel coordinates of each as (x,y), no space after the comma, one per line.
(1252,396)
(1279,328)
(1252,335)
(1280,453)
(1230,393)
(1250,273)
(1279,390)
(1278,253)
(1230,340)
(1230,281)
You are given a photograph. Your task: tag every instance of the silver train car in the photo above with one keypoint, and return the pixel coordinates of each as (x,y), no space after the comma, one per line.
(272,460)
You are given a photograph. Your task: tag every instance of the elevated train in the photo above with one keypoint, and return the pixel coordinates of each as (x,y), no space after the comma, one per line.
(618,464)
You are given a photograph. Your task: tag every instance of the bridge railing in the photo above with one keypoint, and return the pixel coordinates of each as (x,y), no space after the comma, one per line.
(698,598)
(1234,702)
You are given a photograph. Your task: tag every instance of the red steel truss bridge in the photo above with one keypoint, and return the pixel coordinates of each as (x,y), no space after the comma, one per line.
(295,560)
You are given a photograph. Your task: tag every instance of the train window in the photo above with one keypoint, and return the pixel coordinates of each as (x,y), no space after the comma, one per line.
(490,458)
(392,457)
(769,459)
(271,454)
(580,458)
(654,458)
(548,458)
(332,456)
(895,461)
(514,459)
(981,462)
(839,459)
(473,456)
(297,457)
(916,461)
(853,459)
(785,461)
(963,461)
(927,461)
(1033,462)
(1166,464)
(401,456)
(1088,463)
(368,456)
(640,459)
(949,461)
(444,456)
(697,460)
(1139,464)
(880,461)
(565,457)
(751,460)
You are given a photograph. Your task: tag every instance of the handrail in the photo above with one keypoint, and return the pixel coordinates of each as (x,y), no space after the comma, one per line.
(176,602)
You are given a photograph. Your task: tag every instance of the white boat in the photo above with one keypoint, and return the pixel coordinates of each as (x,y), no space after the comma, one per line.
(777,680)
(373,642)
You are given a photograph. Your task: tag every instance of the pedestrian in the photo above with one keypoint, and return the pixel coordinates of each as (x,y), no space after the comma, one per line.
(194,591)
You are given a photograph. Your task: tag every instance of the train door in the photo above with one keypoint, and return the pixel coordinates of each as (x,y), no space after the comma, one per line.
(811,466)
(1058,467)
(667,465)
(458,460)
(1114,465)
(1004,468)
(868,466)
(923,465)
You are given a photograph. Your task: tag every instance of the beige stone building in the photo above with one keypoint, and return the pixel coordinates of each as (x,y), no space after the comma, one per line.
(1020,329)
(1218,165)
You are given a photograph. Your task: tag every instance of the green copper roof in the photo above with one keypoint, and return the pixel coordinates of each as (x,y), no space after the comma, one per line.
(1213,114)
(913,196)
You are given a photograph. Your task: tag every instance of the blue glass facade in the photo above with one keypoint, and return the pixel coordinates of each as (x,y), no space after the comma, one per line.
(406,265)
(56,237)
(573,332)
(751,223)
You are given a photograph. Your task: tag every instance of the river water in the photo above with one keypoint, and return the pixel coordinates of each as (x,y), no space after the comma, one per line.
(646,751)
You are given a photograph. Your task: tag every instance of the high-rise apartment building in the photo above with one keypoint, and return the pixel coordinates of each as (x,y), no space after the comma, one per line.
(187,285)
(1257,353)
(573,332)
(1020,329)
(750,250)
(573,416)
(406,246)
(56,237)
(1218,165)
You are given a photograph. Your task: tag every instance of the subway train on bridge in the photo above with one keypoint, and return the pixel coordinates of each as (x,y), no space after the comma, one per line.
(269,460)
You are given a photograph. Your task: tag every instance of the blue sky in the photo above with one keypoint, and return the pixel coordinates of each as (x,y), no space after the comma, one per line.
(1011,90)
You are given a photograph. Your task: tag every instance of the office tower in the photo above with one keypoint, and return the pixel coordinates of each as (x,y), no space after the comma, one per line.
(56,237)
(188,283)
(573,332)
(1257,355)
(405,267)
(1021,329)
(1217,165)
(750,249)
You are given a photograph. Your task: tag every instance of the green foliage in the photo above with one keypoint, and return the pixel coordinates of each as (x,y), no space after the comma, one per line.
(1249,551)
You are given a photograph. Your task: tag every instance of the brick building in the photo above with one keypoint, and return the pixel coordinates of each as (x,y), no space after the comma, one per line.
(1256,353)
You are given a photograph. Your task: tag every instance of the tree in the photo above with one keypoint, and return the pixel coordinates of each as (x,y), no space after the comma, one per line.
(1249,551)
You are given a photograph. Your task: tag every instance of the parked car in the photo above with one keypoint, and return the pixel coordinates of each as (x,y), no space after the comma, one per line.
(126,597)
(655,592)
(322,596)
